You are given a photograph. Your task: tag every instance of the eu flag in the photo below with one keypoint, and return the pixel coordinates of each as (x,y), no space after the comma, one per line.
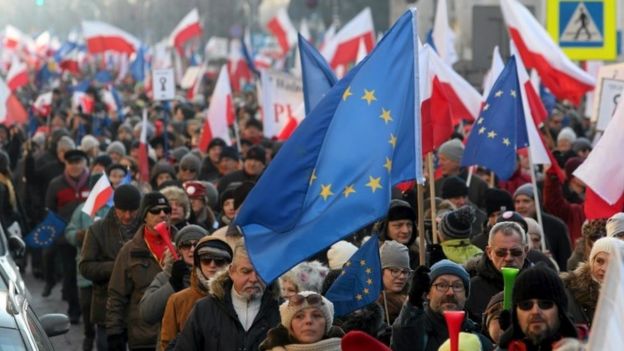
(500,129)
(335,173)
(46,232)
(360,282)
(317,77)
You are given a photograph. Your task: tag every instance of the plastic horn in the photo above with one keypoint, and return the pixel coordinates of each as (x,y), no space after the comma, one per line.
(509,278)
(162,229)
(454,321)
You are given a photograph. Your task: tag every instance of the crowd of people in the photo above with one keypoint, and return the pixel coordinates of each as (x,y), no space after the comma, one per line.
(162,266)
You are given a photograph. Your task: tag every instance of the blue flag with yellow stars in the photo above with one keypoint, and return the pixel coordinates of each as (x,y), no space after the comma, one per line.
(360,282)
(316,75)
(335,173)
(46,232)
(500,129)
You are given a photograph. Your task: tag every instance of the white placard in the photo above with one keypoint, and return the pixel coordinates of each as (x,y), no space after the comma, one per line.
(163,84)
(608,92)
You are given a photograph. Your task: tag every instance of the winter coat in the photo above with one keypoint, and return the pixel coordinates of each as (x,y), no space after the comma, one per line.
(557,239)
(278,339)
(63,199)
(421,329)
(214,325)
(582,292)
(100,247)
(556,204)
(135,268)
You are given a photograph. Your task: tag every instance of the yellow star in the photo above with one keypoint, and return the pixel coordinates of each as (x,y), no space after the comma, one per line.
(374,183)
(392,140)
(385,115)
(369,281)
(366,291)
(369,96)
(358,297)
(349,189)
(346,94)
(512,93)
(480,120)
(369,271)
(492,134)
(313,176)
(498,93)
(388,164)
(362,262)
(506,141)
(326,191)
(481,130)
(485,107)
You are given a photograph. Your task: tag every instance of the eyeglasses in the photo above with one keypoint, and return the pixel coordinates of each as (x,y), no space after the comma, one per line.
(397,272)
(312,299)
(513,252)
(217,261)
(157,210)
(527,305)
(186,245)
(444,286)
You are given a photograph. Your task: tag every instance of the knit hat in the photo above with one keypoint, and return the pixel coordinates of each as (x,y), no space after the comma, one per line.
(216,142)
(117,147)
(615,224)
(571,165)
(339,253)
(498,200)
(89,142)
(452,149)
(241,192)
(539,282)
(127,197)
(227,194)
(581,144)
(524,189)
(189,232)
(449,267)
(257,153)
(466,342)
(190,162)
(161,167)
(307,276)
(357,340)
(288,309)
(567,133)
(66,143)
(453,187)
(493,309)
(179,152)
(608,245)
(394,254)
(512,216)
(213,247)
(229,152)
(533,227)
(151,200)
(400,209)
(458,224)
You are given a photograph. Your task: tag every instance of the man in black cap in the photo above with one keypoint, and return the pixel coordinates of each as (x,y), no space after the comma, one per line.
(399,226)
(209,170)
(538,312)
(253,166)
(455,190)
(496,202)
(102,243)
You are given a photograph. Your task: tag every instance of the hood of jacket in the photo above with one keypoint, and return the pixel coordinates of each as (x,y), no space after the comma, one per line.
(582,286)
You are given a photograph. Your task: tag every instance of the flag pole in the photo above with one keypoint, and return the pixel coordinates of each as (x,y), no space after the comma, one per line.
(469,178)
(538,207)
(492,179)
(420,197)
(432,197)
(237,133)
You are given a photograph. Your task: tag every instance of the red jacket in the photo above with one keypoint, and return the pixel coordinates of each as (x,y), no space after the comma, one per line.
(556,204)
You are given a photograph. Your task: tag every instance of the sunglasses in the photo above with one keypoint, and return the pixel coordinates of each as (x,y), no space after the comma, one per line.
(504,252)
(527,305)
(186,245)
(312,299)
(157,210)
(217,261)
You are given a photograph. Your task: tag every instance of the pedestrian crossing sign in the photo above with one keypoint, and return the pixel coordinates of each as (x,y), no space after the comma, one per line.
(584,29)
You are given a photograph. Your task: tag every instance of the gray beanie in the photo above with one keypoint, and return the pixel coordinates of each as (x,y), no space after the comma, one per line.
(179,152)
(615,224)
(452,149)
(526,190)
(88,142)
(394,254)
(458,224)
(190,232)
(567,133)
(117,147)
(190,161)
(65,143)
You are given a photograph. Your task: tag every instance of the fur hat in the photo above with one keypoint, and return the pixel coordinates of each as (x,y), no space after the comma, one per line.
(452,149)
(339,253)
(458,224)
(615,224)
(594,229)
(453,187)
(174,193)
(400,209)
(307,276)
(288,310)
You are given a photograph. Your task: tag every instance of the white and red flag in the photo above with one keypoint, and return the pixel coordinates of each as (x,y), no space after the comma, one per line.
(342,48)
(18,74)
(101,37)
(239,71)
(188,28)
(220,115)
(11,109)
(283,30)
(443,36)
(143,151)
(564,79)
(99,196)
(282,103)
(13,38)
(43,104)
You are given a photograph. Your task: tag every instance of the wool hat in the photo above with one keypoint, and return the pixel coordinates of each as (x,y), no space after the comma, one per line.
(458,224)
(607,244)
(539,282)
(230,153)
(400,209)
(89,142)
(307,276)
(257,153)
(117,147)
(159,168)
(115,166)
(498,200)
(212,247)
(452,187)
(339,253)
(66,143)
(493,309)
(216,142)
(615,224)
(150,200)
(513,216)
(103,160)
(190,162)
(357,340)
(127,197)
(189,232)
(533,227)
(452,149)
(288,310)
(449,267)
(524,189)
(241,192)
(394,254)
(227,194)
(466,342)
(75,155)
(566,133)
(179,152)
(571,165)
(581,144)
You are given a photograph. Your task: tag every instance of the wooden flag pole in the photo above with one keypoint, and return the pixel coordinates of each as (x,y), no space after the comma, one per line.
(538,207)
(420,198)
(492,179)
(432,198)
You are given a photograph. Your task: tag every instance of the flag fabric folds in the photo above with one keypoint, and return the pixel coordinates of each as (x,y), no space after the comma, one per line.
(46,232)
(188,28)
(220,114)
(360,282)
(101,37)
(342,48)
(283,30)
(500,130)
(100,195)
(442,35)
(143,159)
(335,174)
(316,74)
(11,109)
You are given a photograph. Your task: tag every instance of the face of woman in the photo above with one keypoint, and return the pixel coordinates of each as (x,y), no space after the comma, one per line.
(288,289)
(308,325)
(599,266)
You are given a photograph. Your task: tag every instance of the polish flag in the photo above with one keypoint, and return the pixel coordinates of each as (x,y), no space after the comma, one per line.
(220,113)
(536,106)
(443,36)
(237,67)
(82,101)
(143,158)
(13,38)
(603,171)
(564,79)
(342,48)
(99,196)
(361,53)
(495,70)
(101,37)
(304,30)
(283,30)
(188,28)
(11,109)
(18,75)
(71,62)
(43,104)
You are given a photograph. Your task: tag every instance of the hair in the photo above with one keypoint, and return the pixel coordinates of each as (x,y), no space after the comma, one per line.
(508,229)
(239,250)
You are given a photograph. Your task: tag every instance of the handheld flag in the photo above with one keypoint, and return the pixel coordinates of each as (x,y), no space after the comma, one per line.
(99,196)
(46,232)
(360,282)
(335,173)
(220,113)
(316,74)
(101,37)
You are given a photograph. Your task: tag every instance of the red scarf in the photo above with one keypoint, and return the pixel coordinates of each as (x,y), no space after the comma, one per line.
(155,243)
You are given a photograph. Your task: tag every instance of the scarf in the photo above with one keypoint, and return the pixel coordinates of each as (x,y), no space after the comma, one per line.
(156,244)
(77,184)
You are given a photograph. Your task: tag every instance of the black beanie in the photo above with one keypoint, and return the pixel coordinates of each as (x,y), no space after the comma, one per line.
(540,282)
(241,192)
(150,200)
(512,216)
(453,187)
(458,224)
(498,200)
(400,209)
(127,197)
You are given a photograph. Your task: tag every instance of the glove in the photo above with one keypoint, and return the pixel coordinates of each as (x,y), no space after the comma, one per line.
(420,286)
(435,253)
(504,320)
(178,271)
(116,342)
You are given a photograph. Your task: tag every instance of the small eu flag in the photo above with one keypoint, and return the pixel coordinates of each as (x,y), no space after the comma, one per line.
(360,283)
(501,128)
(46,232)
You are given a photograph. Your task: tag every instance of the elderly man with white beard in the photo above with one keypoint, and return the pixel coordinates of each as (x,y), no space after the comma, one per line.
(236,315)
